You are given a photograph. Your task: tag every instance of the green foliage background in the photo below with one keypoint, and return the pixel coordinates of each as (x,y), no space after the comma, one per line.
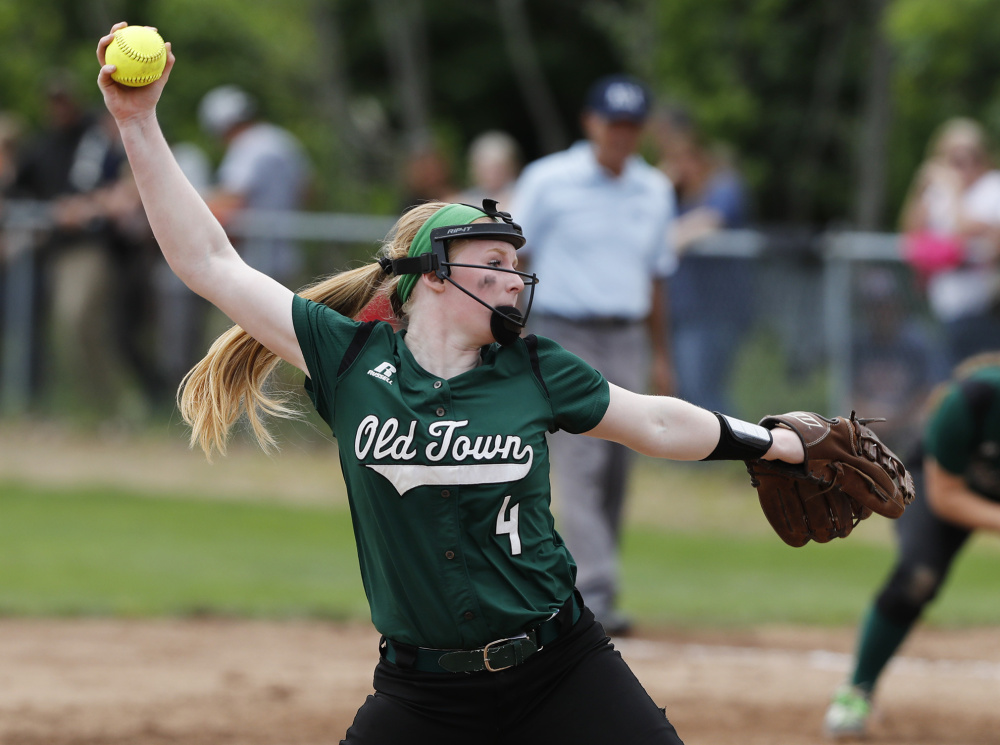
(781,81)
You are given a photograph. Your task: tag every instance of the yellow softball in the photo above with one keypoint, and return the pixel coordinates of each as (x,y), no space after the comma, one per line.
(138,54)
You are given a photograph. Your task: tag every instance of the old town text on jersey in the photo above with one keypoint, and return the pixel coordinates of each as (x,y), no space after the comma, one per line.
(449,457)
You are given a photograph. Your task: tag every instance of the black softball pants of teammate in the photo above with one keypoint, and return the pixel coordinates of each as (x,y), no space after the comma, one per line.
(576,690)
(927,547)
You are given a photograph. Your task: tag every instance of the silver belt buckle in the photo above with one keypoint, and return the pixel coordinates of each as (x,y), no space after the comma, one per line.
(486,652)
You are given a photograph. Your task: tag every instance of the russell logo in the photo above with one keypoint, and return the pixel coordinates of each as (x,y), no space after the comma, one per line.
(383,372)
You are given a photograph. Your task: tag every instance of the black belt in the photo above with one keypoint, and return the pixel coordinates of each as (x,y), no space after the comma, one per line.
(496,656)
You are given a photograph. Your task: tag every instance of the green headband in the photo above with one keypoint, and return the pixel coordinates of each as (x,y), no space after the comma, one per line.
(452,214)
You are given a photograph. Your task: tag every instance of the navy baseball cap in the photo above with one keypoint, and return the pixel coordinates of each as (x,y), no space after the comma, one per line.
(619,98)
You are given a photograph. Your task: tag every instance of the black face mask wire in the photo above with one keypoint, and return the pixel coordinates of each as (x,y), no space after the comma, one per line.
(506,321)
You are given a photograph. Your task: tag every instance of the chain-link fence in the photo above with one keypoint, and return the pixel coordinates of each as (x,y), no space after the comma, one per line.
(825,322)
(837,321)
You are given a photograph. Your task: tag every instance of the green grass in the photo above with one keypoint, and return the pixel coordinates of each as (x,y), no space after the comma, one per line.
(105,552)
(694,580)
(102,552)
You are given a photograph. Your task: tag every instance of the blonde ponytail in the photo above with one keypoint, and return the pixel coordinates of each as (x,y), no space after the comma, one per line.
(234,379)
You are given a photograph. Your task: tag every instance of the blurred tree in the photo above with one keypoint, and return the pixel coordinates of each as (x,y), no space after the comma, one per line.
(947,64)
(404,33)
(357,80)
(361,141)
(871,159)
(829,104)
(780,80)
(535,88)
(522,67)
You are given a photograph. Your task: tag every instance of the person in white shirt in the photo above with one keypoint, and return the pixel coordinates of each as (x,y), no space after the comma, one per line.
(956,194)
(265,168)
(597,218)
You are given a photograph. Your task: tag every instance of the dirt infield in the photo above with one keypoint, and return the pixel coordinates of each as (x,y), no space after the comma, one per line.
(240,682)
(216,682)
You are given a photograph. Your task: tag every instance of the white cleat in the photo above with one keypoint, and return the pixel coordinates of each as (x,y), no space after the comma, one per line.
(848,714)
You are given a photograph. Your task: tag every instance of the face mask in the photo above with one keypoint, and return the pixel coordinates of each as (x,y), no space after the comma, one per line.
(429,253)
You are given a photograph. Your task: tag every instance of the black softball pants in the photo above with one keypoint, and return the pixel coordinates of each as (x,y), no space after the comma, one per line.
(927,547)
(576,690)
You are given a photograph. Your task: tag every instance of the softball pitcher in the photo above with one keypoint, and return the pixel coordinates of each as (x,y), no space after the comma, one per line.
(958,492)
(441,430)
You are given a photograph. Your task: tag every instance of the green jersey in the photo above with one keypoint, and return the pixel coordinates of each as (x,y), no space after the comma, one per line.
(963,434)
(448,479)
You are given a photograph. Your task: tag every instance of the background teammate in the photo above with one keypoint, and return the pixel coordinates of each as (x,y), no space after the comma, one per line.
(958,492)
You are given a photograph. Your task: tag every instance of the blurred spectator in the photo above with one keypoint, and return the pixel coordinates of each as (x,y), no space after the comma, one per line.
(264,168)
(951,222)
(427,177)
(494,162)
(711,297)
(115,210)
(596,219)
(73,155)
(134,256)
(11,129)
(894,362)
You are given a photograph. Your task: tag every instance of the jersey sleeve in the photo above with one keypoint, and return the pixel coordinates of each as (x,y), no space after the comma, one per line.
(324,336)
(950,432)
(578,394)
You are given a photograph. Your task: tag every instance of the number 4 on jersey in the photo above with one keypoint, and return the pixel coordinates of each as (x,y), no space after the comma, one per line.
(507,526)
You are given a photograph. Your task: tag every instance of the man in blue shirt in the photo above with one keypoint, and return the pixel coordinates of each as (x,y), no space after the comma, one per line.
(597,217)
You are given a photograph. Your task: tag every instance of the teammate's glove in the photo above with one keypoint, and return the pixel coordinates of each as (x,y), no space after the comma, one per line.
(847,474)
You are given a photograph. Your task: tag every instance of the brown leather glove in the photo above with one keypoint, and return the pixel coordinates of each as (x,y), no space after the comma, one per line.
(847,475)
